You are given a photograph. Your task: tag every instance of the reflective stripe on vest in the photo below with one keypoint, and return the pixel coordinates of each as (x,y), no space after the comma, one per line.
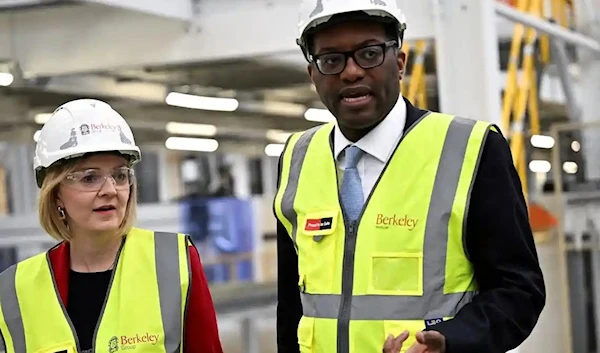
(32,316)
(442,294)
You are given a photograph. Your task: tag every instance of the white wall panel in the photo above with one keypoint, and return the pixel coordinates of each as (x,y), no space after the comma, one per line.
(176,9)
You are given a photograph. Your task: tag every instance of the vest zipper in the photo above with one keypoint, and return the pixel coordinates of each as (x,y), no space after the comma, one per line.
(344,315)
(351,228)
(110,283)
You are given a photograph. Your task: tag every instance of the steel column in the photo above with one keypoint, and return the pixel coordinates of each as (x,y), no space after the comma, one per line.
(589,62)
(559,54)
(579,298)
(250,335)
(17,161)
(467,58)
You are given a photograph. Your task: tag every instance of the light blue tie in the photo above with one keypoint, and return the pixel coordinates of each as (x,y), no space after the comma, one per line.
(351,190)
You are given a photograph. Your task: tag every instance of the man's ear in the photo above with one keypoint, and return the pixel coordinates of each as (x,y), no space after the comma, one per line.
(401,63)
(309,68)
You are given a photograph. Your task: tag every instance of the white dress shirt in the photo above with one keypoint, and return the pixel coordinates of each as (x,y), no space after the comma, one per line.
(378,146)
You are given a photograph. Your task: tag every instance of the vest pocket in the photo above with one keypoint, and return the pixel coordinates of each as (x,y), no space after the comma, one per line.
(396,274)
(306,329)
(317,242)
(65,347)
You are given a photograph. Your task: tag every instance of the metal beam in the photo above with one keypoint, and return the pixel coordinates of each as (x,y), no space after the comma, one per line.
(156,36)
(89,38)
(106,87)
(559,53)
(153,118)
(547,27)
(26,4)
(10,4)
(239,120)
(142,104)
(175,9)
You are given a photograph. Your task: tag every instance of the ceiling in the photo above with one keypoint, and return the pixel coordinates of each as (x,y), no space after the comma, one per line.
(273,95)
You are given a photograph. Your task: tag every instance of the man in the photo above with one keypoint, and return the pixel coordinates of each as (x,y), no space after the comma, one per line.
(398,228)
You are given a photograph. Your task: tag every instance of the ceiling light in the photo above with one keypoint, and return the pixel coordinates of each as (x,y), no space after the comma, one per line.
(274,149)
(318,115)
(191,144)
(42,118)
(278,136)
(176,128)
(539,166)
(282,108)
(575,146)
(36,135)
(541,141)
(6,79)
(570,167)
(199,102)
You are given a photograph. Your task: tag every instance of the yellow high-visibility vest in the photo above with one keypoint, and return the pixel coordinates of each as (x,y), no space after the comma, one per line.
(143,312)
(403,264)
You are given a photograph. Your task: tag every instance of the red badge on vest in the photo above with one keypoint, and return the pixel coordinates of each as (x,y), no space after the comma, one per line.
(318,224)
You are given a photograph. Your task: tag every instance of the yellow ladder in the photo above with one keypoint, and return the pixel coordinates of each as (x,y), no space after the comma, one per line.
(416,91)
(520,110)
(521,93)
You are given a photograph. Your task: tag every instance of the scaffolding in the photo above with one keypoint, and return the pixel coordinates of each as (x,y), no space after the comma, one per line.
(416,88)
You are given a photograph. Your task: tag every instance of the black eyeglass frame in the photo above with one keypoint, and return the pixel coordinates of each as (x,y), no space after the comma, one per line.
(314,59)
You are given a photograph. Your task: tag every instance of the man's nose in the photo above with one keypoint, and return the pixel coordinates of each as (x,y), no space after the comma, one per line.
(352,72)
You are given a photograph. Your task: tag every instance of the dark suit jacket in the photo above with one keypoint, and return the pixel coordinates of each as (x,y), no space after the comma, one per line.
(500,245)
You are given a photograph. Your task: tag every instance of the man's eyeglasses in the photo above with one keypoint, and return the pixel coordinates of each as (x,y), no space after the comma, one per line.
(366,57)
(94,179)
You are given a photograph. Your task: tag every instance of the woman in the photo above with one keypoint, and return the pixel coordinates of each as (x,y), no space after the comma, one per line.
(107,286)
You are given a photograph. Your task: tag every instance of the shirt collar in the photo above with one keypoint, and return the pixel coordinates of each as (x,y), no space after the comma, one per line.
(381,141)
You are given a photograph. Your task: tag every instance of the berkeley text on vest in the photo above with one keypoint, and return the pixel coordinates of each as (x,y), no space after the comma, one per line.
(384,222)
(138,339)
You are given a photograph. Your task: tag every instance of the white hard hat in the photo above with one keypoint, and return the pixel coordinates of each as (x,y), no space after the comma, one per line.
(316,12)
(79,127)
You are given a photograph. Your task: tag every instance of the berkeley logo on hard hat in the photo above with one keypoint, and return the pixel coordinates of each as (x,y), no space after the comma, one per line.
(72,142)
(318,9)
(124,138)
(101,127)
(85,129)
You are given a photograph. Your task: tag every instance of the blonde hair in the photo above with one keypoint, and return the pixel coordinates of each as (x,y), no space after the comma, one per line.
(48,207)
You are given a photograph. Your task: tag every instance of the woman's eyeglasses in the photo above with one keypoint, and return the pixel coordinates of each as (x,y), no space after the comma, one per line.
(94,179)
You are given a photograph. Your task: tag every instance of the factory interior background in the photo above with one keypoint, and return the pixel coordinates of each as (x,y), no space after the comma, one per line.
(209,166)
